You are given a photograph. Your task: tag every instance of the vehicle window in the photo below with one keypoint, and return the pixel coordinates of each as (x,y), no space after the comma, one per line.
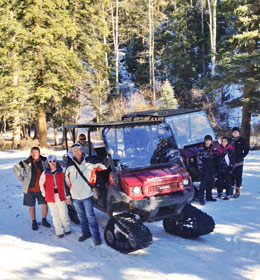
(189,129)
(139,146)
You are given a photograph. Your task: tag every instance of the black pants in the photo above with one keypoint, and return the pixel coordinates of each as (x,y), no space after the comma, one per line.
(237,176)
(206,183)
(224,182)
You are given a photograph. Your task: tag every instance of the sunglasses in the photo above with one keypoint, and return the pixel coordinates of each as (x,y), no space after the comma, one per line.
(52,161)
(82,139)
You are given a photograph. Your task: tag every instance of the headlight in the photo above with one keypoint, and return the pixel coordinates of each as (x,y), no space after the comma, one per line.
(186,182)
(135,190)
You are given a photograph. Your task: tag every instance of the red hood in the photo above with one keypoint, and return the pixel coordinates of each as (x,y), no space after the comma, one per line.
(154,181)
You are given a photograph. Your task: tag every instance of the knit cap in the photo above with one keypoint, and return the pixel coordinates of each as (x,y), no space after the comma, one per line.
(51,157)
(76,145)
(235,129)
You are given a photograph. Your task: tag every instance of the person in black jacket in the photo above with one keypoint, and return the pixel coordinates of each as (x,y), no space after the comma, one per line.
(225,164)
(206,169)
(241,148)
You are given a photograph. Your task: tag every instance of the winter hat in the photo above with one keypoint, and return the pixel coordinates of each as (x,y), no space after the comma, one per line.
(208,137)
(76,145)
(51,157)
(235,129)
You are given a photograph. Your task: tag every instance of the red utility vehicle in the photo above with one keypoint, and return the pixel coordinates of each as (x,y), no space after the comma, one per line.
(145,182)
(189,126)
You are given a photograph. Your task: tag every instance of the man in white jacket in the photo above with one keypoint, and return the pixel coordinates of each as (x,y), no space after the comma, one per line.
(81,192)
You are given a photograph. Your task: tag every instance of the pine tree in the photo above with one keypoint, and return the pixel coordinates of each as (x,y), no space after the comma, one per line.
(168,98)
(54,72)
(90,20)
(240,55)
(14,76)
(178,48)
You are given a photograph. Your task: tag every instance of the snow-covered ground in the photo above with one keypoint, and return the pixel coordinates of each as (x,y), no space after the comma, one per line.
(231,252)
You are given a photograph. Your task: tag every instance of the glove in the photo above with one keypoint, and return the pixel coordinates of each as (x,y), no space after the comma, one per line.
(65,157)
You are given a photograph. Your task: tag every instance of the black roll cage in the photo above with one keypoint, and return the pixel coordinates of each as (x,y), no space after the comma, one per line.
(94,126)
(158,114)
(104,126)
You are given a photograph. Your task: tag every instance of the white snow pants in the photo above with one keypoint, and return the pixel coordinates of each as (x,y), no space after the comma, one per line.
(59,214)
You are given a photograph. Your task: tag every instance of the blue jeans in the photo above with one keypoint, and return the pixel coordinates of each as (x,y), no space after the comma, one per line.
(88,220)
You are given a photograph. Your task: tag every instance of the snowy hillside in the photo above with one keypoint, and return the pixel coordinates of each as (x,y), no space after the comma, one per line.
(231,252)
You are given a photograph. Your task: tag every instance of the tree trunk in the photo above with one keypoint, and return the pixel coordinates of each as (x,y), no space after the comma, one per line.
(151,51)
(42,127)
(115,41)
(246,116)
(213,32)
(106,54)
(16,131)
(203,37)
(247,96)
(29,130)
(35,135)
(56,135)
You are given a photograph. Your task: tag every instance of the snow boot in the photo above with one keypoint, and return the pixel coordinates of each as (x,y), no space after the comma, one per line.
(34,225)
(211,199)
(84,237)
(220,196)
(227,197)
(202,201)
(45,223)
(97,242)
(237,193)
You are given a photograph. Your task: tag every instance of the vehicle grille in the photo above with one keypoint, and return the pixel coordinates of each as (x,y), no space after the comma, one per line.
(162,189)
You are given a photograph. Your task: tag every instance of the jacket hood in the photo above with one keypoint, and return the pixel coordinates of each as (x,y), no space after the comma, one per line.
(220,148)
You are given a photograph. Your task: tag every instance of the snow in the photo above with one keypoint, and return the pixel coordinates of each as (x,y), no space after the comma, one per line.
(233,116)
(231,252)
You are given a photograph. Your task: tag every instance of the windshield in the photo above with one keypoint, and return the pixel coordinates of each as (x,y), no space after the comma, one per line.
(189,129)
(140,146)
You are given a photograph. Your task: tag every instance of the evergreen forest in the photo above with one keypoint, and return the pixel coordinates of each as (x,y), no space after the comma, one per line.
(58,55)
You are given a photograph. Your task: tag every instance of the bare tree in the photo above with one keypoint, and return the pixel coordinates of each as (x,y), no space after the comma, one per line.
(151,50)
(115,41)
(202,6)
(212,5)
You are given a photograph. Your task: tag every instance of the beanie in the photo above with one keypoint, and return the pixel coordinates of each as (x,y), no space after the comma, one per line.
(235,129)
(51,157)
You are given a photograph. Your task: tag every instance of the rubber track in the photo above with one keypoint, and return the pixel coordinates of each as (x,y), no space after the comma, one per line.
(192,222)
(139,235)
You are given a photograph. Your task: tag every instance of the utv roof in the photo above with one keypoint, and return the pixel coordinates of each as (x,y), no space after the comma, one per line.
(112,124)
(159,113)
(93,126)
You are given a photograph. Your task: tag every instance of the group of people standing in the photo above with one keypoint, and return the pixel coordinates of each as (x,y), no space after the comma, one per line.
(221,165)
(44,180)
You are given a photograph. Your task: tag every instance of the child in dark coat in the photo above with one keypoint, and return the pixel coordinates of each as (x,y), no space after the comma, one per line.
(206,169)
(225,167)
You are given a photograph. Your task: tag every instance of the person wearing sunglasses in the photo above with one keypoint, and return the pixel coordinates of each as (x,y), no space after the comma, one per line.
(52,188)
(79,177)
(82,140)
